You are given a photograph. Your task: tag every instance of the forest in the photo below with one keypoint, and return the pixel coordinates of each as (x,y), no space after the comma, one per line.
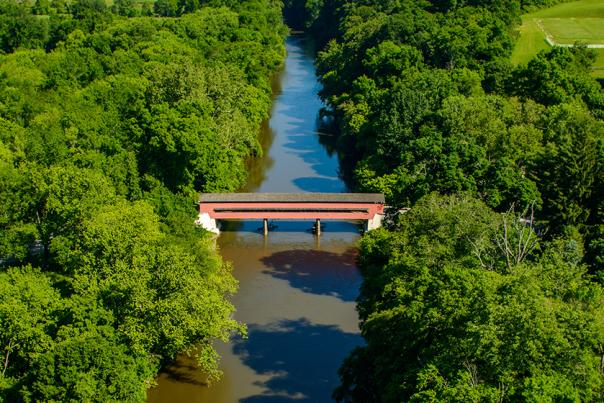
(490,287)
(111,120)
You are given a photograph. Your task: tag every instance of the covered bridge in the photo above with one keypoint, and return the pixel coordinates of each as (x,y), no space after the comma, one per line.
(368,207)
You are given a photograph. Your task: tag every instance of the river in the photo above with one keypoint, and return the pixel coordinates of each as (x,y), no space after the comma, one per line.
(296,290)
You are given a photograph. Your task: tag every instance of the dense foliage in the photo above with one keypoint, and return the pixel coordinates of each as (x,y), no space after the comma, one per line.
(424,99)
(462,304)
(110,122)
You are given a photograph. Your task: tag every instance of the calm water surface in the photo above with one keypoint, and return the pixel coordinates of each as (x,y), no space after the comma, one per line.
(296,291)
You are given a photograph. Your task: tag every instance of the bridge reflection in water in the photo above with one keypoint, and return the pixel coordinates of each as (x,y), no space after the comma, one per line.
(368,207)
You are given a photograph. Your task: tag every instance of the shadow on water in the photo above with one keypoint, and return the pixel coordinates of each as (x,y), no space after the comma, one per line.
(302,359)
(185,371)
(334,144)
(317,272)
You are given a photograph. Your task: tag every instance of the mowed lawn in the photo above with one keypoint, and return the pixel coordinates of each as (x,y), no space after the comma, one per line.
(571,30)
(567,23)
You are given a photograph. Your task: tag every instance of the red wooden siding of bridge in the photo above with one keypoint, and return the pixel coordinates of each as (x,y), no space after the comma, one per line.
(292,206)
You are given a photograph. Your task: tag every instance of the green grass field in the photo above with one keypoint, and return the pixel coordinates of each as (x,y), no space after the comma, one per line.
(571,30)
(574,9)
(567,23)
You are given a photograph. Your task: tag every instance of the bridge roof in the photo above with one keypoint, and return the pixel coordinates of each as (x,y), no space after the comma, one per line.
(374,198)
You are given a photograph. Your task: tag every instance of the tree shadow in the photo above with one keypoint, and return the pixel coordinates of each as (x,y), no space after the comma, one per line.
(343,147)
(185,370)
(302,359)
(317,272)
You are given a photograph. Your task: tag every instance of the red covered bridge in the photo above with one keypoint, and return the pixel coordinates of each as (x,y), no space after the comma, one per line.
(368,207)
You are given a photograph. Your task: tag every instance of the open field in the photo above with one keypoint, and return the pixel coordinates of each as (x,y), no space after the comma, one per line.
(565,24)
(531,41)
(575,9)
(571,30)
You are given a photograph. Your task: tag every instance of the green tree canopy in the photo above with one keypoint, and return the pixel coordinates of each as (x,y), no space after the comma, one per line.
(447,317)
(109,125)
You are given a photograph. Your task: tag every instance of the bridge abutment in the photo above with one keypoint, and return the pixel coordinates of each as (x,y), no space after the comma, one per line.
(207,223)
(374,223)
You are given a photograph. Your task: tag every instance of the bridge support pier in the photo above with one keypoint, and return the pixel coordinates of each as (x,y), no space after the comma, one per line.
(265,226)
(318,227)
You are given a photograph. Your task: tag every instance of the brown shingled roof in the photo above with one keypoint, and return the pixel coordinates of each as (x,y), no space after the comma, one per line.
(376,198)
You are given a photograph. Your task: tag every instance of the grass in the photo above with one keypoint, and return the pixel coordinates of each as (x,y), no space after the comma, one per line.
(575,9)
(571,30)
(567,23)
(531,41)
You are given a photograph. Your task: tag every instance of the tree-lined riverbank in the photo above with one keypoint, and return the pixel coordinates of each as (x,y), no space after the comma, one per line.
(109,126)
(496,272)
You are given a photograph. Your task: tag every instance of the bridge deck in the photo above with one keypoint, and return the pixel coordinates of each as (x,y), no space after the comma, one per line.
(356,198)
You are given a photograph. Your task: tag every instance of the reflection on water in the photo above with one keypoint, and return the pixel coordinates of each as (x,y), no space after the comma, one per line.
(299,162)
(297,290)
(258,167)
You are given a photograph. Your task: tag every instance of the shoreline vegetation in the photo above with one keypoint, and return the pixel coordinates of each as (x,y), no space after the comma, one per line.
(111,120)
(490,288)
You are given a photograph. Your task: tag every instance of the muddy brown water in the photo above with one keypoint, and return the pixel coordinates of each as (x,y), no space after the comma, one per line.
(296,290)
